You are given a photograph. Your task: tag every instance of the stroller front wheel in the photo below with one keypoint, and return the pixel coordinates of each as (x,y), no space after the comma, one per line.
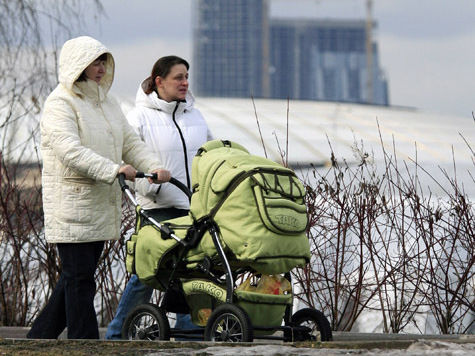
(229,323)
(317,327)
(146,322)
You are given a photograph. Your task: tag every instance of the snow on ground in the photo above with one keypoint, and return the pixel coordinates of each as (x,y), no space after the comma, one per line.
(433,348)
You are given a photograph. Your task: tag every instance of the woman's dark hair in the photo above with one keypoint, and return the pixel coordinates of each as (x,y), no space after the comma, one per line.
(82,77)
(162,68)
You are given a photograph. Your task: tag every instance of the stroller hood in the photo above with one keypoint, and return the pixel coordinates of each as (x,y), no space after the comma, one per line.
(257,204)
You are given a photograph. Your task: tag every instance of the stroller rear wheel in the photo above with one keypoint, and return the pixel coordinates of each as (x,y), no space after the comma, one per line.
(146,322)
(317,326)
(229,323)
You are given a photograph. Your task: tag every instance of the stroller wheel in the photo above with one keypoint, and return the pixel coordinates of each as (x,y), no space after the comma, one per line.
(317,327)
(229,323)
(146,322)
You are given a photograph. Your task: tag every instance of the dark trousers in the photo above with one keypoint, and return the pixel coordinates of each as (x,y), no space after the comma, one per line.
(71,304)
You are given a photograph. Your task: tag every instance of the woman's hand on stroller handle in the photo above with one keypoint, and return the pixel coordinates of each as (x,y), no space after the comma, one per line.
(152,177)
(128,171)
(158,176)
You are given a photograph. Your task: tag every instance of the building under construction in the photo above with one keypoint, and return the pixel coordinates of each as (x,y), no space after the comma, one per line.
(239,51)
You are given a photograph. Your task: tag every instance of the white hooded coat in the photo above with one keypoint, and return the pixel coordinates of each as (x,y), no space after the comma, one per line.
(84,139)
(175,131)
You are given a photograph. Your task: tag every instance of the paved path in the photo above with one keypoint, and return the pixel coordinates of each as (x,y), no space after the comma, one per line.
(13,342)
(20,333)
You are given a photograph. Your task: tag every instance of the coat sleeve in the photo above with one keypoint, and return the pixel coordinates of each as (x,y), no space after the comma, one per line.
(141,186)
(60,128)
(209,134)
(133,118)
(136,152)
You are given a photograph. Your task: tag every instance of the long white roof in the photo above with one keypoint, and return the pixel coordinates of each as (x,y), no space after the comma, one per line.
(313,124)
(407,133)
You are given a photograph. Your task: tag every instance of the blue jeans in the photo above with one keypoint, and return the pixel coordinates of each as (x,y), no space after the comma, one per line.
(136,293)
(71,304)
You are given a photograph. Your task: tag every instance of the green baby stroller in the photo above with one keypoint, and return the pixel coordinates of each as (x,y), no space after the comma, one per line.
(247,217)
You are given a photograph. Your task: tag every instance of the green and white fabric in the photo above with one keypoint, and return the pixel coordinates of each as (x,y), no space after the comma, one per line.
(257,204)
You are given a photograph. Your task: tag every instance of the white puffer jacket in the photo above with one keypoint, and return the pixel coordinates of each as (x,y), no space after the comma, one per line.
(174,131)
(84,138)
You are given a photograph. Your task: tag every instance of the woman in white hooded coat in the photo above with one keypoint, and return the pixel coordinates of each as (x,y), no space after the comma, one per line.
(84,140)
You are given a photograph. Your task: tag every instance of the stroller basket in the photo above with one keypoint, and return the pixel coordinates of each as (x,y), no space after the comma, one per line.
(264,310)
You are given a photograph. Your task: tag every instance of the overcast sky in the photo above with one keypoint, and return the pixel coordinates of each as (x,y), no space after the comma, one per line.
(427,47)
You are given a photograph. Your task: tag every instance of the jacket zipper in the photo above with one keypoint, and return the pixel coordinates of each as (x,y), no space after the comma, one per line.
(188,183)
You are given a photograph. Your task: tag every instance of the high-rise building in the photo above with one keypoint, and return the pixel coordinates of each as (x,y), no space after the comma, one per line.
(230,48)
(238,51)
(324,60)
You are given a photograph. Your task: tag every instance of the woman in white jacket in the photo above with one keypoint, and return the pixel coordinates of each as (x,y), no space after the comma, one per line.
(84,140)
(165,119)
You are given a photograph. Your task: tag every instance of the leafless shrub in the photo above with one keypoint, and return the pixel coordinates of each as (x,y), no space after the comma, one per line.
(111,274)
(380,243)
(21,242)
(447,232)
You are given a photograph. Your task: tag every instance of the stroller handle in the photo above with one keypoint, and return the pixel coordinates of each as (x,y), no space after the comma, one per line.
(163,228)
(173,181)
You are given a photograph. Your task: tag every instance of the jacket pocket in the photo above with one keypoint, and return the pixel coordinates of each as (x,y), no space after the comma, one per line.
(130,256)
(77,203)
(79,180)
(280,203)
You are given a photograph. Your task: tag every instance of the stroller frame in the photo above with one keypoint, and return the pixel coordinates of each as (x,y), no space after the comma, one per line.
(300,326)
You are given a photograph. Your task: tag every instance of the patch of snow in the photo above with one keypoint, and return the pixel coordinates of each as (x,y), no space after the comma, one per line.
(433,348)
